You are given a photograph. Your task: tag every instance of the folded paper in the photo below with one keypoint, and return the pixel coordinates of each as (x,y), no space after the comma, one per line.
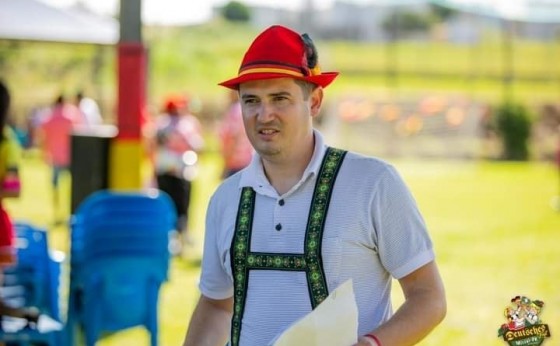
(334,322)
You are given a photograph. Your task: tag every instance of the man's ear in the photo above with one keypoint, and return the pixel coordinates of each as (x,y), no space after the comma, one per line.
(316,100)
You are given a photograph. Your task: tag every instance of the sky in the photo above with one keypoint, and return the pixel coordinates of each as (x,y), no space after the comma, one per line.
(177,11)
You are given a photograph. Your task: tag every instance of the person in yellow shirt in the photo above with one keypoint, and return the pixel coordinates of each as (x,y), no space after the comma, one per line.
(9,188)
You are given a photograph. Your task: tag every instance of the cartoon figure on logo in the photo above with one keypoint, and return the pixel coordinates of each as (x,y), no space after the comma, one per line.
(516,318)
(524,326)
(532,314)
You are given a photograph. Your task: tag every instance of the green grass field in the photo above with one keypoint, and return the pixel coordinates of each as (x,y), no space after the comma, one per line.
(495,232)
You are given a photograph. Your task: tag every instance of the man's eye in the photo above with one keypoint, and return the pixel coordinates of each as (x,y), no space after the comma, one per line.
(250,101)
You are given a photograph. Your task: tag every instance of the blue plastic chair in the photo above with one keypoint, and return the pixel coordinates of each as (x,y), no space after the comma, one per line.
(33,281)
(119,259)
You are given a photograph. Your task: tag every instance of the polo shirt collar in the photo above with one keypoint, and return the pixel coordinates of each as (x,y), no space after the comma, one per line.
(253,176)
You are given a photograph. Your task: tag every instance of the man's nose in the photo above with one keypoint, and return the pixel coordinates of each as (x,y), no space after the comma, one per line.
(266,112)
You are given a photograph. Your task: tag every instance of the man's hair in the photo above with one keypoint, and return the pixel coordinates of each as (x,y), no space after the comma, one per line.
(306,87)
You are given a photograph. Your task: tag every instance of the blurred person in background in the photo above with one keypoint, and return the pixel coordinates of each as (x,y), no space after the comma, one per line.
(10,187)
(20,133)
(303,218)
(33,122)
(178,140)
(54,139)
(89,110)
(235,147)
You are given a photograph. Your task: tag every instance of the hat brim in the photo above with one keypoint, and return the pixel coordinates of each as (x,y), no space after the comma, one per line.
(323,79)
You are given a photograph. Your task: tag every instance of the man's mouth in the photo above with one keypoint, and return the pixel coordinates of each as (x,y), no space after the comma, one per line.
(267,131)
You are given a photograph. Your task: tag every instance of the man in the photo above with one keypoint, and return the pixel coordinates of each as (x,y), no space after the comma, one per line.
(54,136)
(303,218)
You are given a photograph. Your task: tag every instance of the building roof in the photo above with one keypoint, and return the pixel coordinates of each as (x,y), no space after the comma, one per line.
(36,21)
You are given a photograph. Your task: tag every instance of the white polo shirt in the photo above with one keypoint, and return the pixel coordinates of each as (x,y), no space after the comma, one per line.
(373,232)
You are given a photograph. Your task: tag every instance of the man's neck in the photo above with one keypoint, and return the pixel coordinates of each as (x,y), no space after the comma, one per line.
(285,173)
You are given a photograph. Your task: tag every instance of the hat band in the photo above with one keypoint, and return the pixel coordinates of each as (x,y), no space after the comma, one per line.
(270,70)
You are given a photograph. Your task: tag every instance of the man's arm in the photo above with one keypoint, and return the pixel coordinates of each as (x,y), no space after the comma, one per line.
(424,308)
(210,322)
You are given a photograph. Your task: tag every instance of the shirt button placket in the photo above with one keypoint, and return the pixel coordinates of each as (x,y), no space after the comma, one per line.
(278,226)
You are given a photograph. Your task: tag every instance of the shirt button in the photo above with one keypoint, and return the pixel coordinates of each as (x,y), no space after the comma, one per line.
(278,227)
(281,202)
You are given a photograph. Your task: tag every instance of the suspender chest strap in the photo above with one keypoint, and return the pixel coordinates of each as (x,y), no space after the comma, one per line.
(243,260)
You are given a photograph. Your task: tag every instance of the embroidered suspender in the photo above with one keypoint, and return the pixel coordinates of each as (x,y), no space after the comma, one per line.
(243,260)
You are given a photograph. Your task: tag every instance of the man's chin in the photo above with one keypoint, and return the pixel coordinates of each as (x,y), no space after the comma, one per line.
(267,150)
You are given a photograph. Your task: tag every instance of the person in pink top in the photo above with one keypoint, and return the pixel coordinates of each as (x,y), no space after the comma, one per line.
(54,137)
(235,147)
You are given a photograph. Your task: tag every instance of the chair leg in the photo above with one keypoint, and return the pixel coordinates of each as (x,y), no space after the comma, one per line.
(74,329)
(58,339)
(153,294)
(90,339)
(69,332)
(91,321)
(154,338)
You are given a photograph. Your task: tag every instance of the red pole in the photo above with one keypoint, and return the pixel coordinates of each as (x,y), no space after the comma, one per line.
(132,95)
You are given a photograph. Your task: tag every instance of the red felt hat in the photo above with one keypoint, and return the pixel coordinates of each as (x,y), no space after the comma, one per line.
(279,52)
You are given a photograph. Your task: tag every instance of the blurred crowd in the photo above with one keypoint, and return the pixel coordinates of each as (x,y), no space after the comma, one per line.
(173,138)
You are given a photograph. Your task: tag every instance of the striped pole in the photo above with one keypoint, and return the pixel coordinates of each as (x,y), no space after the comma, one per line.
(126,153)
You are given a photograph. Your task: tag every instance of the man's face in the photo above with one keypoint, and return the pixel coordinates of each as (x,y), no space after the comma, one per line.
(278,116)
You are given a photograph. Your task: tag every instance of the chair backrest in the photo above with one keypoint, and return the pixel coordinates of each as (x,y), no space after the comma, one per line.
(34,279)
(125,205)
(119,259)
(111,223)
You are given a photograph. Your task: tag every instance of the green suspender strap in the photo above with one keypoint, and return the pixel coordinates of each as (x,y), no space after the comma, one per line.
(243,260)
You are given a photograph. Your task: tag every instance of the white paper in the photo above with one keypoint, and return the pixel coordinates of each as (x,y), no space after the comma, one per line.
(333,323)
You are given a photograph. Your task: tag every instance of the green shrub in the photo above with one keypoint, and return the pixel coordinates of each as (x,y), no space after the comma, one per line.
(236,11)
(513,125)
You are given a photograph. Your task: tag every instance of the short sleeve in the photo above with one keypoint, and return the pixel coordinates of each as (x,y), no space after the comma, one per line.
(215,281)
(402,238)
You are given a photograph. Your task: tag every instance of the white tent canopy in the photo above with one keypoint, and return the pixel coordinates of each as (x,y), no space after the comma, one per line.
(35,21)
